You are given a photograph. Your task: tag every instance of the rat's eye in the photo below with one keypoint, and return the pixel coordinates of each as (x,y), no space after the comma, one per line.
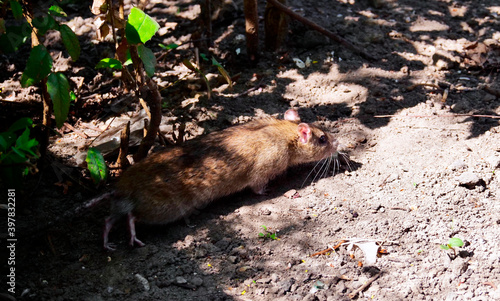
(322,139)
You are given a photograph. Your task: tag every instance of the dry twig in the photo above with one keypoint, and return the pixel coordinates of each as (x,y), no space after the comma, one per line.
(364,286)
(329,249)
(79,133)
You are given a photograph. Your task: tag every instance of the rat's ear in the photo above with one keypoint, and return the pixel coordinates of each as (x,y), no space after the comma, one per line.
(292,115)
(304,132)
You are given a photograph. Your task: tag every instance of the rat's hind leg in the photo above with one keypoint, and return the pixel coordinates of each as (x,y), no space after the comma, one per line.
(108,224)
(131,226)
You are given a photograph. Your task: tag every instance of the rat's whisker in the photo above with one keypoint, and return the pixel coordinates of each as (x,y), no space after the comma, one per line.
(309,174)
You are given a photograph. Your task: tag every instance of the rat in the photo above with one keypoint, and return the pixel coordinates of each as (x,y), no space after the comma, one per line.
(169,185)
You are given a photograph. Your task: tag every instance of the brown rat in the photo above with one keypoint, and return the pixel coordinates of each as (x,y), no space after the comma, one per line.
(171,184)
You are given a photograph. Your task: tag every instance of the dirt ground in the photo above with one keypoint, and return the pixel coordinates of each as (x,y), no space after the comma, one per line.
(420,124)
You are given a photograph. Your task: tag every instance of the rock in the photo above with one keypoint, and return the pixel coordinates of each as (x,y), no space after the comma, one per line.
(180,280)
(469,180)
(290,193)
(274,277)
(265,280)
(143,281)
(460,106)
(197,281)
(223,243)
(286,285)
(442,65)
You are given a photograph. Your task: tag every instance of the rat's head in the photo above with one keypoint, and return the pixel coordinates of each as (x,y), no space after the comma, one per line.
(312,143)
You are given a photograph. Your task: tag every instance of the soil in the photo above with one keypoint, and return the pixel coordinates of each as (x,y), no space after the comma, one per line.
(420,124)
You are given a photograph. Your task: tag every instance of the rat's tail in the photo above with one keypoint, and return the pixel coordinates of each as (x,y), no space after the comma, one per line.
(89,204)
(70,214)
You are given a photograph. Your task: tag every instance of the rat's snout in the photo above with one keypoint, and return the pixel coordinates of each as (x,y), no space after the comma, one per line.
(334,145)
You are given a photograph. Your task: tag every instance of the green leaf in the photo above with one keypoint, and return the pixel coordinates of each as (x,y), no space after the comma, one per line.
(204,57)
(13,157)
(38,66)
(21,157)
(190,66)
(31,150)
(72,96)
(444,247)
(148,59)
(455,242)
(23,139)
(109,63)
(58,87)
(70,41)
(223,72)
(43,24)
(7,139)
(129,59)
(169,46)
(4,144)
(14,37)
(57,11)
(96,165)
(140,27)
(20,124)
(25,145)
(17,9)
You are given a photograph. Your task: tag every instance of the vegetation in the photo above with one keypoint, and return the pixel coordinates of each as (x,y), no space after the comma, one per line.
(453,243)
(18,152)
(268,234)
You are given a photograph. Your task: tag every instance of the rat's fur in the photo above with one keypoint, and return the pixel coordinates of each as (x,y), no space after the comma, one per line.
(171,184)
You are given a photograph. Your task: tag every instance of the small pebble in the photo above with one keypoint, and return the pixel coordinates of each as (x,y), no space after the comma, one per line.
(197,281)
(468,179)
(291,194)
(143,281)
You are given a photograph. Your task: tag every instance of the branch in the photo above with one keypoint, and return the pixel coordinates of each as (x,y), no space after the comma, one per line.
(320,29)
(364,286)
